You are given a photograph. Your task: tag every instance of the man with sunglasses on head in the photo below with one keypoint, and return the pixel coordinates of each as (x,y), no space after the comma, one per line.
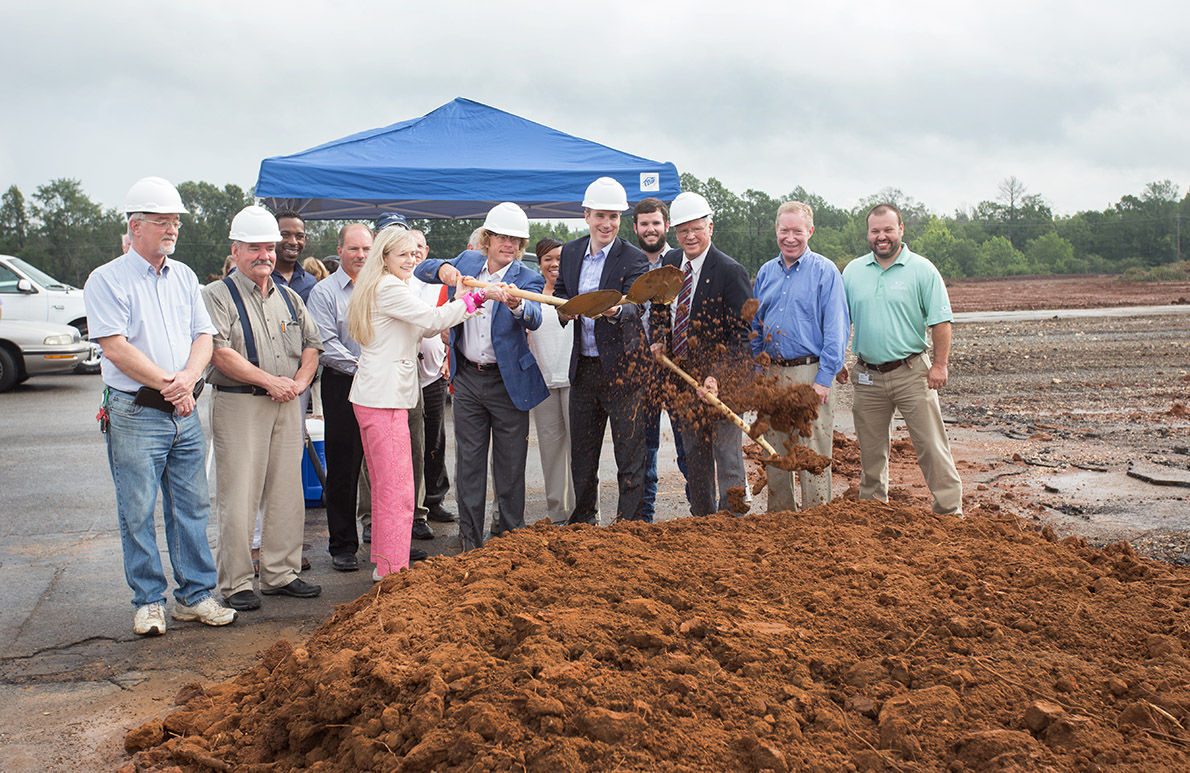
(146,311)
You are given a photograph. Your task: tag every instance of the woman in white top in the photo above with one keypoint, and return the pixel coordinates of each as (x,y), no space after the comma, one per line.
(551,345)
(388,319)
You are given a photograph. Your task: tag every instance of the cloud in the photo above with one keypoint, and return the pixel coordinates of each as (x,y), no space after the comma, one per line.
(940,100)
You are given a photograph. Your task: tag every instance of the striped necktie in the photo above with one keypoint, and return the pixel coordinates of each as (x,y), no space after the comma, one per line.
(682,321)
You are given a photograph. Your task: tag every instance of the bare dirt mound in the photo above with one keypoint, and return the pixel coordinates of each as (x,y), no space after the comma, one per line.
(857,636)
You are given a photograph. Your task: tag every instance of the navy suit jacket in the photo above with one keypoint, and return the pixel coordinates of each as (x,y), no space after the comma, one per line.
(621,342)
(716,311)
(518,367)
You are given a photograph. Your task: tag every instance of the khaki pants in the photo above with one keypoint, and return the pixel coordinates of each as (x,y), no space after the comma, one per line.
(551,419)
(816,489)
(258,450)
(904,389)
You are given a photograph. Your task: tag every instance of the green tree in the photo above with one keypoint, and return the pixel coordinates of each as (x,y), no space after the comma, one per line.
(14,220)
(1050,253)
(73,233)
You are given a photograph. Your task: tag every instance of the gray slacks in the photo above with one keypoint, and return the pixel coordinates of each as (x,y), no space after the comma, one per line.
(483,414)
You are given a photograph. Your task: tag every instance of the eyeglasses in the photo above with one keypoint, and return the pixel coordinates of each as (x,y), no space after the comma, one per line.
(175,224)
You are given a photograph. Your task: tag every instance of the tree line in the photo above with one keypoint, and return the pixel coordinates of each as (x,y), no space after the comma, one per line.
(62,231)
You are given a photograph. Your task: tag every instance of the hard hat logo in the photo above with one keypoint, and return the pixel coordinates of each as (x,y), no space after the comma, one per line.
(153,194)
(254,225)
(688,206)
(606,194)
(507,219)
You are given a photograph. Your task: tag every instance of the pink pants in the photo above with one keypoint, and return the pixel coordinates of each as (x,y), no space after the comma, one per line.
(385,435)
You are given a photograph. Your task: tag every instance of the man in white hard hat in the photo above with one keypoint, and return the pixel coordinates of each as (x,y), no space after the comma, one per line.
(609,359)
(266,349)
(802,324)
(706,315)
(146,311)
(495,377)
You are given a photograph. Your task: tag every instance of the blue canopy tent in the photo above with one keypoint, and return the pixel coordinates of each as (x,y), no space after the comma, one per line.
(457,161)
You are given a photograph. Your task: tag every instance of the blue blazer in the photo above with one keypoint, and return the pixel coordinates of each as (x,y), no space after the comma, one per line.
(518,367)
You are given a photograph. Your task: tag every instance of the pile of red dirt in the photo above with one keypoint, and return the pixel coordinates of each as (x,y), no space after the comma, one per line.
(854,636)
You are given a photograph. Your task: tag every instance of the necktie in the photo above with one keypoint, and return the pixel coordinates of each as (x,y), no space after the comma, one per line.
(682,321)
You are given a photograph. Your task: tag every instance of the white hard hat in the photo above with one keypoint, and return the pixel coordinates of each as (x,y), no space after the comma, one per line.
(688,206)
(254,225)
(153,194)
(606,194)
(508,219)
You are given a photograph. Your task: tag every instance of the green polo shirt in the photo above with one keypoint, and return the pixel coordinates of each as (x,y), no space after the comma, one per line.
(892,307)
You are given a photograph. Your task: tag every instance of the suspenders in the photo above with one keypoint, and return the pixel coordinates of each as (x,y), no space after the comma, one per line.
(249,337)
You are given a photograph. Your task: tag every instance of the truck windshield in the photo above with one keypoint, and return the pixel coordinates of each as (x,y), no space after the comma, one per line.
(37,275)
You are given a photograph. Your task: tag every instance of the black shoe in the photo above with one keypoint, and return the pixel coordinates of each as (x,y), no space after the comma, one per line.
(417,554)
(439,514)
(368,534)
(298,588)
(243,601)
(345,562)
(422,530)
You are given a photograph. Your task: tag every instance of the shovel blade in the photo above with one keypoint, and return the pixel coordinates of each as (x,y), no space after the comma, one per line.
(590,304)
(661,285)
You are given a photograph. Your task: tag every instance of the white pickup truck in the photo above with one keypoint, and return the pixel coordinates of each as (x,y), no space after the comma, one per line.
(27,293)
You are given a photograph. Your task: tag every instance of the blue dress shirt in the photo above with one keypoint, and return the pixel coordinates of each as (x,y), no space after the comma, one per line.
(328,306)
(589,278)
(301,281)
(802,313)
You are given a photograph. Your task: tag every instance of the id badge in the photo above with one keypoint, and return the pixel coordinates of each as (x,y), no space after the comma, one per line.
(864,378)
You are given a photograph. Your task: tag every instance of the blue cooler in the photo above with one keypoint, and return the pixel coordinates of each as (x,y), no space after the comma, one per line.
(310,483)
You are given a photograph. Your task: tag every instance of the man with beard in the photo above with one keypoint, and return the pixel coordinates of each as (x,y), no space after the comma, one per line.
(894,297)
(607,362)
(650,223)
(289,271)
(147,313)
(266,349)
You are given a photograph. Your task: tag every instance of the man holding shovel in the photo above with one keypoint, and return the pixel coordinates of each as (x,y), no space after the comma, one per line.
(707,314)
(608,361)
(495,376)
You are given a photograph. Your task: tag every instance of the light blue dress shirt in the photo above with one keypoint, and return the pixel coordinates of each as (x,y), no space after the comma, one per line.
(328,306)
(159,314)
(589,278)
(803,313)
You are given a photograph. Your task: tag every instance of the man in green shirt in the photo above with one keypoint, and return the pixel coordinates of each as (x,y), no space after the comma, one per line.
(894,295)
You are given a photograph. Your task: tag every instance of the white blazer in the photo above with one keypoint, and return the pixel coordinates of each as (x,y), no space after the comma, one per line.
(388,376)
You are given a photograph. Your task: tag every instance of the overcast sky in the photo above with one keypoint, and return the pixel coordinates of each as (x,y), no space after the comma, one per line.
(940,99)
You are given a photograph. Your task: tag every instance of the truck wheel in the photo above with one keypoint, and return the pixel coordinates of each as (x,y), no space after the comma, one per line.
(90,364)
(9,370)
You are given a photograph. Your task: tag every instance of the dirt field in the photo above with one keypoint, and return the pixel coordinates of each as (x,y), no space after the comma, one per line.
(861,637)
(1084,291)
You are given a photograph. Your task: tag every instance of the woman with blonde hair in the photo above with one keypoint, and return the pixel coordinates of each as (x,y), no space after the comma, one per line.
(388,319)
(315,268)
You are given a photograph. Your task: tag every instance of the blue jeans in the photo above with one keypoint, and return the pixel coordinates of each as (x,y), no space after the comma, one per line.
(150,450)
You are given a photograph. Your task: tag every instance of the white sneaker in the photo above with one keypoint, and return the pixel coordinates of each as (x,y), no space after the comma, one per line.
(149,619)
(207,611)
(376,575)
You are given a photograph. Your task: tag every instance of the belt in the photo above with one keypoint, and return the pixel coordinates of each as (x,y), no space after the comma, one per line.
(243,390)
(794,362)
(885,367)
(482,367)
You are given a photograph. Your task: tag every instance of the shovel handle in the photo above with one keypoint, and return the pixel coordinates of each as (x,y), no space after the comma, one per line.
(528,295)
(715,401)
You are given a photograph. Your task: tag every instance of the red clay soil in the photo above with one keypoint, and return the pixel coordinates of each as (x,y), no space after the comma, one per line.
(855,636)
(1083,291)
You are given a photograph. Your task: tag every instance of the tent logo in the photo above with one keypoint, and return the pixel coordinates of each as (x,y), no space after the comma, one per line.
(650,182)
